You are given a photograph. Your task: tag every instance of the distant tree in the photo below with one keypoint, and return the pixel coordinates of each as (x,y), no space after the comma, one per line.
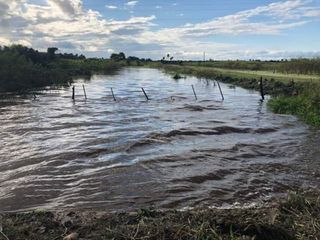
(118,56)
(122,56)
(51,52)
(133,58)
(114,56)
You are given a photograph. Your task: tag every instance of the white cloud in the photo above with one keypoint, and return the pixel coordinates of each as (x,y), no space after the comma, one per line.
(242,23)
(132,3)
(111,7)
(71,7)
(312,12)
(64,23)
(67,25)
(4,41)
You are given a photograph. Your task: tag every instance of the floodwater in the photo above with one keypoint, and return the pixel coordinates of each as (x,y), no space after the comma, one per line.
(169,152)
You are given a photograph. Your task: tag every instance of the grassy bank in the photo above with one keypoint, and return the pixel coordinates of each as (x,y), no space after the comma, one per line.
(297,94)
(296,218)
(305,105)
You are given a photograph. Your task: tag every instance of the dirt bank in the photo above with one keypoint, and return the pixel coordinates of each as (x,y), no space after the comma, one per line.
(296,218)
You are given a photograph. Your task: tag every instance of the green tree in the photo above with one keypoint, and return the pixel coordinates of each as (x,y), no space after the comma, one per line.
(51,52)
(118,56)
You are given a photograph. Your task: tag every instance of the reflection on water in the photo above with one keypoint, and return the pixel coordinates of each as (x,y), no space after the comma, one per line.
(171,151)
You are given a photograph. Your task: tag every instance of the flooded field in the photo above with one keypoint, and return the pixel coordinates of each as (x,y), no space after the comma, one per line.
(169,152)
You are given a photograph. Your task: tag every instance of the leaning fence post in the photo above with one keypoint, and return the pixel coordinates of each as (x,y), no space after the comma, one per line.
(84,91)
(261,89)
(73,92)
(145,94)
(114,98)
(194,92)
(220,91)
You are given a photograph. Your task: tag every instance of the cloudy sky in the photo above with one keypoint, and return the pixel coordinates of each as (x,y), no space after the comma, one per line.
(234,29)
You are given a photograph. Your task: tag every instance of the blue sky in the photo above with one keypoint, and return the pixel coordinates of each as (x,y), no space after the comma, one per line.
(235,29)
(171,13)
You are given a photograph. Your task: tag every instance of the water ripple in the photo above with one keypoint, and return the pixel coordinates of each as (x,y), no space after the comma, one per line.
(171,151)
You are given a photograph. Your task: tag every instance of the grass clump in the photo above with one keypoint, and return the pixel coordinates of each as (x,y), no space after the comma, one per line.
(301,215)
(177,76)
(305,105)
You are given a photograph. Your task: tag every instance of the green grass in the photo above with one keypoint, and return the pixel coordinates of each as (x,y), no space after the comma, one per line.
(268,75)
(305,105)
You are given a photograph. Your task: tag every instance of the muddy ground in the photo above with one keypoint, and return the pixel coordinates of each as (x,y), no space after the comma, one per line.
(296,218)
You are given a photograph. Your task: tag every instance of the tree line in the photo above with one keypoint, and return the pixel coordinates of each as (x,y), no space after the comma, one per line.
(22,68)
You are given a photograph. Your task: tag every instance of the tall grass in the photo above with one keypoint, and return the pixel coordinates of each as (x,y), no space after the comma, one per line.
(305,105)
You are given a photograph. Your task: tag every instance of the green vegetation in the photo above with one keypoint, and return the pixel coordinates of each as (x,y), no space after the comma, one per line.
(294,66)
(296,218)
(177,76)
(306,105)
(22,68)
(293,93)
(118,57)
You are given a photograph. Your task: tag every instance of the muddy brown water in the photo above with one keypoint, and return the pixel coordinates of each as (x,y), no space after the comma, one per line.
(169,152)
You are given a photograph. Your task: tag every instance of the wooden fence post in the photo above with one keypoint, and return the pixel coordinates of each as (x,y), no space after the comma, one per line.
(194,92)
(220,91)
(73,92)
(114,98)
(84,91)
(261,89)
(145,94)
